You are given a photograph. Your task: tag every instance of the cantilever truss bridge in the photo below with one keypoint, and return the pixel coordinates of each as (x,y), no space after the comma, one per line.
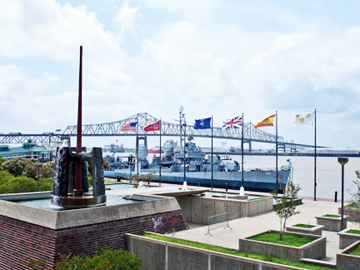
(251,134)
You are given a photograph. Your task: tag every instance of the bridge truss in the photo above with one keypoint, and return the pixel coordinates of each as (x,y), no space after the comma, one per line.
(251,134)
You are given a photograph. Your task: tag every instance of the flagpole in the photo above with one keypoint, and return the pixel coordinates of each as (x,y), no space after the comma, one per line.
(137,144)
(212,151)
(242,150)
(276,149)
(315,184)
(160,156)
(184,150)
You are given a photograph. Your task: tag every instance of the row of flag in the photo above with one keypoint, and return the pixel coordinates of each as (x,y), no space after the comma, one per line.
(233,123)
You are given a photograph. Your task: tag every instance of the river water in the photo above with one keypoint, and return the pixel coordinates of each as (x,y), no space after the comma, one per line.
(328,174)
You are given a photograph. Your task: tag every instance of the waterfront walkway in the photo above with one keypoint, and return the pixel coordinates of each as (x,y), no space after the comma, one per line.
(247,226)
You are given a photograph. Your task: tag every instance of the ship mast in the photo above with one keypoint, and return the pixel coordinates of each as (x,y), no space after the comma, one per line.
(181,115)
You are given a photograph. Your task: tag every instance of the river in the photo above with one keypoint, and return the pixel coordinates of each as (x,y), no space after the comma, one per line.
(328,173)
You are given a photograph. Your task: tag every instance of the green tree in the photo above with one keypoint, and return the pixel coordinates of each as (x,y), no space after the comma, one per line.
(5,179)
(355,200)
(286,204)
(2,160)
(142,177)
(27,167)
(11,184)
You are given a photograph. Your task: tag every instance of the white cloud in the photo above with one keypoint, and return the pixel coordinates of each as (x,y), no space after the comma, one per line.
(213,58)
(125,17)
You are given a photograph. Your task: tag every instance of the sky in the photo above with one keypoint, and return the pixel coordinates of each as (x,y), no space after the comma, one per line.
(214,58)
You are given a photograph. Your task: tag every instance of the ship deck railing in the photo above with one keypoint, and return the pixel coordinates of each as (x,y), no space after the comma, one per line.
(218,221)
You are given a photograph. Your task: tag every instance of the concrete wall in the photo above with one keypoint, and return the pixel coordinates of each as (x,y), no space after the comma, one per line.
(331,224)
(317,230)
(346,239)
(313,250)
(346,261)
(157,254)
(20,239)
(197,209)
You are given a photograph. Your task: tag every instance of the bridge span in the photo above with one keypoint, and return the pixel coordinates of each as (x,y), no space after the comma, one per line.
(251,134)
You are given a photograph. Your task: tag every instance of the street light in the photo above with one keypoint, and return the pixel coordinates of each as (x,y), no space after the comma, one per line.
(38,166)
(342,161)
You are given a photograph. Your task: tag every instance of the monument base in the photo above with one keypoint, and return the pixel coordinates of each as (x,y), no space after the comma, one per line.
(78,202)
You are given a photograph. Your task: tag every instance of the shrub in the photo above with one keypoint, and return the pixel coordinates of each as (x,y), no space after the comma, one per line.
(104,258)
(27,167)
(11,184)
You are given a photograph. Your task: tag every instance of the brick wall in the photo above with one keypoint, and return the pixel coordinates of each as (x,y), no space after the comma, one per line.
(19,240)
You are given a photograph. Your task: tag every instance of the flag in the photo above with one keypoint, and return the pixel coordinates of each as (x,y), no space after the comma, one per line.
(304,118)
(266,122)
(153,127)
(202,123)
(233,123)
(131,126)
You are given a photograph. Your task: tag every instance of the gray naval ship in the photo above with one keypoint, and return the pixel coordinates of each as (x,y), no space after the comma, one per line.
(223,173)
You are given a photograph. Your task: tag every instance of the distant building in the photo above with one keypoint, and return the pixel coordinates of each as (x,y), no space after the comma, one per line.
(27,150)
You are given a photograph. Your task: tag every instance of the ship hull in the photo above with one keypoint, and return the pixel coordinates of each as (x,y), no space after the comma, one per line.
(256,180)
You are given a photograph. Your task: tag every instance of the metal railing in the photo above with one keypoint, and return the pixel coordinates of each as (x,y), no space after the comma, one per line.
(218,221)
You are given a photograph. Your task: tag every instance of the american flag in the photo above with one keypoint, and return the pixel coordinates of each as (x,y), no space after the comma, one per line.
(131,126)
(233,123)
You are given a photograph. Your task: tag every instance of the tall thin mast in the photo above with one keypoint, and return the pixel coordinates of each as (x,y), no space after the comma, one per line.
(276,149)
(242,150)
(160,156)
(79,128)
(212,153)
(315,184)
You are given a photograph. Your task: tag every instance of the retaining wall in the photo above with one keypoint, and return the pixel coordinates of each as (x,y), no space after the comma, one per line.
(346,261)
(197,209)
(314,250)
(346,239)
(163,255)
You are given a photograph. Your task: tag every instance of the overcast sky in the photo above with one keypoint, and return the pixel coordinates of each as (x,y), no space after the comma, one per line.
(220,58)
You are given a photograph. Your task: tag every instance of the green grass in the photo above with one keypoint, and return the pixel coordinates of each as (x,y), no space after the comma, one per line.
(352,206)
(289,239)
(304,226)
(353,231)
(332,216)
(356,251)
(235,252)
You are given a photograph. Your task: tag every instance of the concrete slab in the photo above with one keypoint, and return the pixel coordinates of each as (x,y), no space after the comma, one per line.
(247,226)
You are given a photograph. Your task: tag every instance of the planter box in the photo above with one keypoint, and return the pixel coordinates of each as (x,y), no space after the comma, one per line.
(316,229)
(350,213)
(157,254)
(330,223)
(313,250)
(346,239)
(346,261)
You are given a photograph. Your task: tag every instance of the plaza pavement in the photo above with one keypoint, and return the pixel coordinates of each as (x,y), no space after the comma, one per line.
(247,226)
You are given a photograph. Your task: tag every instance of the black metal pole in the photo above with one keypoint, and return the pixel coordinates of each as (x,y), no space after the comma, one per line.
(315,184)
(242,150)
(342,197)
(212,153)
(276,149)
(184,151)
(160,157)
(342,161)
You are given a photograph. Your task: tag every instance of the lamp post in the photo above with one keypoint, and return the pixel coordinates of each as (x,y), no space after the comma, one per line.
(342,161)
(38,166)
